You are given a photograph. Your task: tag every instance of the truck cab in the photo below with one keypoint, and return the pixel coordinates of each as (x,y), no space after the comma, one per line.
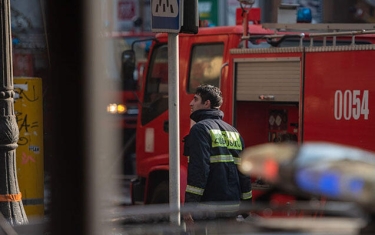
(202,59)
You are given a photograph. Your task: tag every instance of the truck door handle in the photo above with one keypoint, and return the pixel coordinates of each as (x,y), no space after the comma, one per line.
(267,97)
(166,126)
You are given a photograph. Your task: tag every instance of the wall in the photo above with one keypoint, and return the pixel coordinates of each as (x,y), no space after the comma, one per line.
(126,15)
(336,11)
(324,11)
(28,34)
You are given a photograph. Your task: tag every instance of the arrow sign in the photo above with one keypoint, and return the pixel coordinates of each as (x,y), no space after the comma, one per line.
(166,16)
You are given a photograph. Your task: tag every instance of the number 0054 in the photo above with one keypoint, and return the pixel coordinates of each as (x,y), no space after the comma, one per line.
(351,104)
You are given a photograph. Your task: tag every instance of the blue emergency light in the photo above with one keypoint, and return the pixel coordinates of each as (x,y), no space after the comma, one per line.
(304,15)
(330,183)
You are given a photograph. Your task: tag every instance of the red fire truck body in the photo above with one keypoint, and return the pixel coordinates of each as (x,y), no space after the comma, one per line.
(292,92)
(323,93)
(304,94)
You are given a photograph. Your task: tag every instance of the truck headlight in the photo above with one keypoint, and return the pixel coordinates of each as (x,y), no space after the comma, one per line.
(116,108)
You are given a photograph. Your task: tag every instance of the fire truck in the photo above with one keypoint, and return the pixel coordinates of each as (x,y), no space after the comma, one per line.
(280,82)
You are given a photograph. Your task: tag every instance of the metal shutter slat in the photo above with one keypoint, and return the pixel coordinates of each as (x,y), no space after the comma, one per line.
(280,79)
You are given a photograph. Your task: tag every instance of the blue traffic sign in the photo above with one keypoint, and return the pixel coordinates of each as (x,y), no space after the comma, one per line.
(166,16)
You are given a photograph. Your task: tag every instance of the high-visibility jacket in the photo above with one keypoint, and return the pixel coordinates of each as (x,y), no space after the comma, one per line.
(213,148)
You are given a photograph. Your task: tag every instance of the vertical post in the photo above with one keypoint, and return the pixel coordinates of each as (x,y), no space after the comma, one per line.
(245,26)
(174,128)
(222,12)
(10,197)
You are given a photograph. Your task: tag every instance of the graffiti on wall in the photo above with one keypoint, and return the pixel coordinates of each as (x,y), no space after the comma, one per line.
(28,107)
(29,116)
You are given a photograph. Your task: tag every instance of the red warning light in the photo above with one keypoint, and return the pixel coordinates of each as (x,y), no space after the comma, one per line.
(271,169)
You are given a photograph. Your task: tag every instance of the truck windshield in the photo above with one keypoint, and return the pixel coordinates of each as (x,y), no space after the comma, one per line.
(205,66)
(155,100)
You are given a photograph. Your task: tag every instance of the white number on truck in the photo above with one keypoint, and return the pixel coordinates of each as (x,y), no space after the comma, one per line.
(351,104)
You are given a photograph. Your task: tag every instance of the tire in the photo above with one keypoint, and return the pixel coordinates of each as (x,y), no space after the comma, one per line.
(161,193)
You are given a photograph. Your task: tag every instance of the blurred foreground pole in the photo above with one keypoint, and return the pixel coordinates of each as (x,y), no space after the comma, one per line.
(81,156)
(65,30)
(10,197)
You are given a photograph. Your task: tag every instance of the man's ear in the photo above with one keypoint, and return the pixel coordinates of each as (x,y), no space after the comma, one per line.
(207,104)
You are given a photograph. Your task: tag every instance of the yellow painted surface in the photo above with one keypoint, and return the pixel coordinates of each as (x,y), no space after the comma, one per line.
(28,106)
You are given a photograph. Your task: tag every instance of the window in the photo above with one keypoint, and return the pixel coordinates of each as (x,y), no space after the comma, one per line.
(156,93)
(205,66)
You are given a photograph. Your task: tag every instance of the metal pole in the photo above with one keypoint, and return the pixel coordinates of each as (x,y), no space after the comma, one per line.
(174,128)
(222,12)
(11,205)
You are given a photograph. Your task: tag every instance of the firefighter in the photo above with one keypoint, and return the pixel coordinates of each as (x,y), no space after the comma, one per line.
(213,148)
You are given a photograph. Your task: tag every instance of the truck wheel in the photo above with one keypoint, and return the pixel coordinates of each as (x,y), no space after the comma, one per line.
(161,193)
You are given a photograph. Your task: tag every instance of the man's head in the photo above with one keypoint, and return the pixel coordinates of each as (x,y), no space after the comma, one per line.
(206,97)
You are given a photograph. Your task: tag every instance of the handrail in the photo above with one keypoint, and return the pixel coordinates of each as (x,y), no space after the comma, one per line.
(312,36)
(334,34)
(325,27)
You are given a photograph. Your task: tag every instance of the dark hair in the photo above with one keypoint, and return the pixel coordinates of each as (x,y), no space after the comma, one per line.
(211,93)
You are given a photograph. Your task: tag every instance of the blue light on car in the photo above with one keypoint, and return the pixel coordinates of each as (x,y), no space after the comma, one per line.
(329,184)
(356,185)
(322,169)
(305,180)
(313,181)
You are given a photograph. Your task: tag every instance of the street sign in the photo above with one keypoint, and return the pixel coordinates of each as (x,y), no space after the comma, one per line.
(166,16)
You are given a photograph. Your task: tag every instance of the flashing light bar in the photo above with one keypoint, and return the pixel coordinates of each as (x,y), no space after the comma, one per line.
(323,169)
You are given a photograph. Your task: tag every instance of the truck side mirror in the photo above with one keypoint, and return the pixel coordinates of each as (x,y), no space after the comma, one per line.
(127,70)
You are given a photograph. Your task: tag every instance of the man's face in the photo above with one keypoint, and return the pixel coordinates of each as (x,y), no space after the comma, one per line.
(196,103)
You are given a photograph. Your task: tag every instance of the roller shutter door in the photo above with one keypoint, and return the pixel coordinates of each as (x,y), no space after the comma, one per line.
(271,77)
